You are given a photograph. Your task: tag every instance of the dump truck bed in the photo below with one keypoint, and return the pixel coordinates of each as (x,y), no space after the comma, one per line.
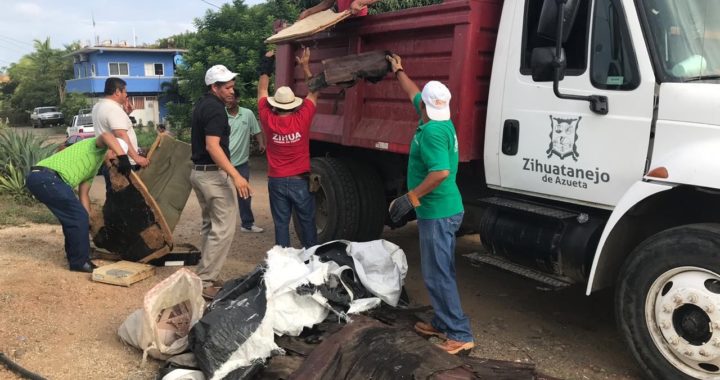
(451,42)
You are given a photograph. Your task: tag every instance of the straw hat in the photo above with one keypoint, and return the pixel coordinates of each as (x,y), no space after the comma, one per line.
(284,99)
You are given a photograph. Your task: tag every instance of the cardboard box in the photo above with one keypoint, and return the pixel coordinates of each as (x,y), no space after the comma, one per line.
(124,273)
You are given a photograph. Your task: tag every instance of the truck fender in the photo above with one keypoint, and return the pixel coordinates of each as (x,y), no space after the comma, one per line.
(604,252)
(693,163)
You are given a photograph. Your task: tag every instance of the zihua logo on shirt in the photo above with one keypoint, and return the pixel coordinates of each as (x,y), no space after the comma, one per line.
(287,139)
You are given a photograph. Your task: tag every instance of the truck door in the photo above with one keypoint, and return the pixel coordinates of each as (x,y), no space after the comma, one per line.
(559,148)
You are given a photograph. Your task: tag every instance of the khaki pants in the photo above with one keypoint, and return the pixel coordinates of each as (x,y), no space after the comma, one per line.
(218,200)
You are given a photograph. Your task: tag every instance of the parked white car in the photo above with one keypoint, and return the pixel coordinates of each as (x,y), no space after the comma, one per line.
(46,116)
(80,124)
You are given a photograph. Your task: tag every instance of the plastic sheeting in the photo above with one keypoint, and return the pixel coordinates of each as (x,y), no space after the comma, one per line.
(296,289)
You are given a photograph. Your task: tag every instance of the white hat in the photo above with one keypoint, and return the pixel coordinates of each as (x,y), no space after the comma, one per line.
(284,99)
(218,73)
(123,145)
(436,97)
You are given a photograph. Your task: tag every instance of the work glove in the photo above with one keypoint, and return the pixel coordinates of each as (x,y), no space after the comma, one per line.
(400,206)
(266,66)
(123,165)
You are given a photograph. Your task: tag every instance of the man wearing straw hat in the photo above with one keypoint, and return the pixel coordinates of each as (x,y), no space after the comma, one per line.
(286,120)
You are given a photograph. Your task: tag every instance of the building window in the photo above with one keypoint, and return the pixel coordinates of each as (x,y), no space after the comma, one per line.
(118,69)
(138,102)
(85,67)
(92,70)
(154,69)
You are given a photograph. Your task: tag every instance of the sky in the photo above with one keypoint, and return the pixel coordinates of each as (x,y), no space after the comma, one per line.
(65,21)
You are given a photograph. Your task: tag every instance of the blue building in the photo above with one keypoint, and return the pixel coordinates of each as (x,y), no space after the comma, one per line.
(144,70)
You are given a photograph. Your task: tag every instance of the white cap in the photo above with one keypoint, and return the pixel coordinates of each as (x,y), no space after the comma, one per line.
(218,73)
(123,145)
(436,97)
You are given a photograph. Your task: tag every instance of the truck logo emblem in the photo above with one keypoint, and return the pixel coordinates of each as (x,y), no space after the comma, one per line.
(563,137)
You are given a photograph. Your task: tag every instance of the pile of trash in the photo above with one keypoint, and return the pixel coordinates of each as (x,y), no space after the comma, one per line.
(294,290)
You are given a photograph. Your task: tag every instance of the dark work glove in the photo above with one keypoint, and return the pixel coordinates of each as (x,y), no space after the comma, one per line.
(267,66)
(400,206)
(123,165)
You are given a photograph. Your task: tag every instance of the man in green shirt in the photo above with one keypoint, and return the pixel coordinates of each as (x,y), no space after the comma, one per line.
(243,125)
(53,179)
(434,195)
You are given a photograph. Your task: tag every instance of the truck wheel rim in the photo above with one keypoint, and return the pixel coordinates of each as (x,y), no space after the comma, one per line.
(682,311)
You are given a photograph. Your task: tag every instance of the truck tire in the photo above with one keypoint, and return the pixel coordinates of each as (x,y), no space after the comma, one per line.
(336,201)
(372,204)
(668,303)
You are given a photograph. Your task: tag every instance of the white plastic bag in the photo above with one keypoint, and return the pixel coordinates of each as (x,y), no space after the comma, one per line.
(182,292)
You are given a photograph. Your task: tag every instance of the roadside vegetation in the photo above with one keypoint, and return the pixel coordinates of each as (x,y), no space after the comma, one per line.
(18,152)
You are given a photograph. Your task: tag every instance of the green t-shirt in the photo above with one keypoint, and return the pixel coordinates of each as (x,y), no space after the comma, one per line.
(242,127)
(77,163)
(434,147)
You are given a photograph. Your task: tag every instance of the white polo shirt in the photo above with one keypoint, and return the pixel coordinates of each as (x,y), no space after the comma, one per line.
(108,115)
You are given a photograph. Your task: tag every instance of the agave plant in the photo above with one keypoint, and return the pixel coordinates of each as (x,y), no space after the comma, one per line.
(12,183)
(22,150)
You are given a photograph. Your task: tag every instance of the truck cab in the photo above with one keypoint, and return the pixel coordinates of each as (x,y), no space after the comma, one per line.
(588,133)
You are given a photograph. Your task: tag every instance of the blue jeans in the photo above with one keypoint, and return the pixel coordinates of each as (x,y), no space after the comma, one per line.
(59,197)
(437,259)
(246,214)
(286,194)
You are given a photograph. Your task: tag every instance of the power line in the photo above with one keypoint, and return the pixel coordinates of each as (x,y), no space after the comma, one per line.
(15,40)
(209,3)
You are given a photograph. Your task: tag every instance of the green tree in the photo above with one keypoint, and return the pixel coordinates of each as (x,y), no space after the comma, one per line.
(37,79)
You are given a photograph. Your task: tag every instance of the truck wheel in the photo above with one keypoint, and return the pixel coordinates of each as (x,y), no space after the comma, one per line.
(372,205)
(336,201)
(668,303)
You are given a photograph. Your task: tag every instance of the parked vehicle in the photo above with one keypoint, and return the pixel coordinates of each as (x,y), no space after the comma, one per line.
(46,116)
(85,111)
(588,147)
(81,123)
(75,137)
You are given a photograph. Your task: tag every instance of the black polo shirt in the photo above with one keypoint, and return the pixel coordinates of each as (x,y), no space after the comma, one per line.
(208,119)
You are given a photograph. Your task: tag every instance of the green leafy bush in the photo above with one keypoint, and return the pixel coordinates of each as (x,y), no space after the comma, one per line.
(18,152)
(145,137)
(12,183)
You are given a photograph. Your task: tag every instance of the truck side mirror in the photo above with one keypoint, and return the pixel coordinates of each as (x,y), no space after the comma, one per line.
(548,23)
(542,63)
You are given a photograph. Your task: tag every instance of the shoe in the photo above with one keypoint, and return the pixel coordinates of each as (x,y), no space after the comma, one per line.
(210,292)
(454,347)
(252,228)
(88,267)
(427,330)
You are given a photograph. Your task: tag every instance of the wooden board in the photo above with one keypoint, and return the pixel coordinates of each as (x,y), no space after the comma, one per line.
(308,26)
(124,273)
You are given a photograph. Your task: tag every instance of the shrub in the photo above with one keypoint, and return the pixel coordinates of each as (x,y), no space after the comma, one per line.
(145,137)
(18,152)
(12,183)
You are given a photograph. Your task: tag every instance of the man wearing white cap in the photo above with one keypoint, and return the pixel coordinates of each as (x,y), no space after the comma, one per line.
(53,179)
(213,178)
(286,120)
(434,195)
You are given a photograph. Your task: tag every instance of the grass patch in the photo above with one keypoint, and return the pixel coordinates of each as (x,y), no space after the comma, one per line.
(14,213)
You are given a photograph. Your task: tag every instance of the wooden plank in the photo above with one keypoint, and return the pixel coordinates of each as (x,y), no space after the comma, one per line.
(123,273)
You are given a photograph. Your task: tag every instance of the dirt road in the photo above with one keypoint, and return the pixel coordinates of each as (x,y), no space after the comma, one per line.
(61,325)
